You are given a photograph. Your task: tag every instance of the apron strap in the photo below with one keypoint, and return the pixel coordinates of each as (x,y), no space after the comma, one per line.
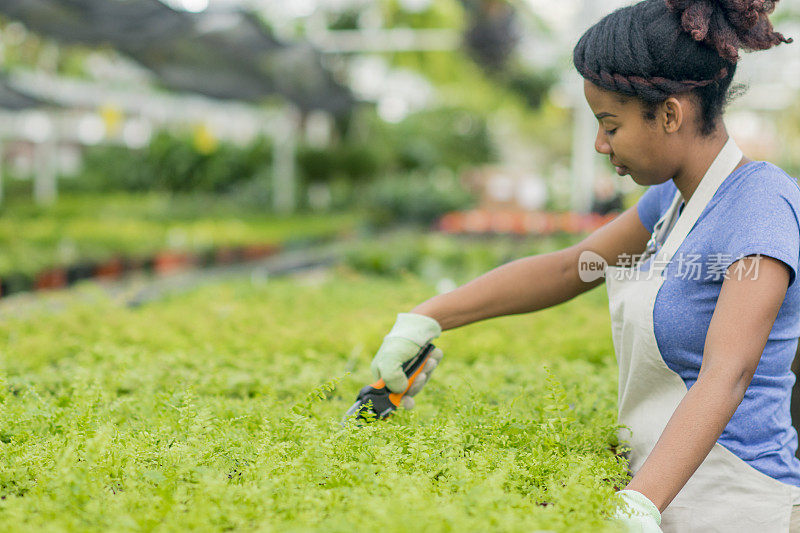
(724,164)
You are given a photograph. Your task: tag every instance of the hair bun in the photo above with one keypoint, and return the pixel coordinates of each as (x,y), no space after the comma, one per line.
(728,25)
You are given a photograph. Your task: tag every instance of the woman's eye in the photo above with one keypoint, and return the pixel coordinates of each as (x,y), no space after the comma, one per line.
(611,132)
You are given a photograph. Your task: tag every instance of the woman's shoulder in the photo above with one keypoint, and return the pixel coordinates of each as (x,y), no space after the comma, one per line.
(767,180)
(760,214)
(760,189)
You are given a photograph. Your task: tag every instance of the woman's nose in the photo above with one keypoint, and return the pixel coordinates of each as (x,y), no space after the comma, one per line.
(601,142)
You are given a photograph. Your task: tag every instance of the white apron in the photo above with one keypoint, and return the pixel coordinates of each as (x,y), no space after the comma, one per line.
(725,494)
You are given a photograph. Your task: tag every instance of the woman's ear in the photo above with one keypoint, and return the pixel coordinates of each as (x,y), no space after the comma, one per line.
(672,114)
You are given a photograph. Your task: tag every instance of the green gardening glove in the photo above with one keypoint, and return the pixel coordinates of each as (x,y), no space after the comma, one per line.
(410,333)
(637,514)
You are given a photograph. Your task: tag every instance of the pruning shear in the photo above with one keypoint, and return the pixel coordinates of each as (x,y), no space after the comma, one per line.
(375,401)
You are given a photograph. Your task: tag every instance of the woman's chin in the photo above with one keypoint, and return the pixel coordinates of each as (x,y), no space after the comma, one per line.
(639,180)
(644,180)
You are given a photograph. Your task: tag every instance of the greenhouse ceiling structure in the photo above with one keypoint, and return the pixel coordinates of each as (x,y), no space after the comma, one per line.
(226,56)
(15,100)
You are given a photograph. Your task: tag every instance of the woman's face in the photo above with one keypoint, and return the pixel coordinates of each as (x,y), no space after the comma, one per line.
(648,150)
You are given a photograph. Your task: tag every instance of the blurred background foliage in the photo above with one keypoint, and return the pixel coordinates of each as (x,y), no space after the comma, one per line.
(498,96)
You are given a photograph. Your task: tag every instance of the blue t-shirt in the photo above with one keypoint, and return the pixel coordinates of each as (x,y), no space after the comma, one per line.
(756,210)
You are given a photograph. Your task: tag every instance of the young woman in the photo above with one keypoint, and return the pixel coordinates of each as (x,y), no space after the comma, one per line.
(704,305)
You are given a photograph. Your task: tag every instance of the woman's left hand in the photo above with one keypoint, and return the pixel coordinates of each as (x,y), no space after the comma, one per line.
(637,513)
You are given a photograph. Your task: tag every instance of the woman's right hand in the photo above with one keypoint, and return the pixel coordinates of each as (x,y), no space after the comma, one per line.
(410,333)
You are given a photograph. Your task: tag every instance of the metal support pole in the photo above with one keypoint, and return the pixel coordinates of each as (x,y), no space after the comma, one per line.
(2,146)
(284,180)
(45,188)
(583,153)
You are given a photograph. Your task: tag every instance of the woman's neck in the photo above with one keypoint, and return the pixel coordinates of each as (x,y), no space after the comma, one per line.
(698,161)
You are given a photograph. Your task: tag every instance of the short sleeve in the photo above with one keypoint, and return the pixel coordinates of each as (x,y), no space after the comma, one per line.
(768,224)
(653,203)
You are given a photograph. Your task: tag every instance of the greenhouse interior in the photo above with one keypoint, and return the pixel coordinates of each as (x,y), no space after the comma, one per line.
(213,211)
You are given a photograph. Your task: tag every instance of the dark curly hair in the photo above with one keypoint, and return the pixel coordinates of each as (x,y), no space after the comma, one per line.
(658,48)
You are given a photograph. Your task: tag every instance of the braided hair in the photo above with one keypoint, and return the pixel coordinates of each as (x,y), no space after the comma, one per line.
(658,48)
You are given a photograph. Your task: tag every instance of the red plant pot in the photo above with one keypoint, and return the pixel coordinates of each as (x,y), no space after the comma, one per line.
(503,222)
(111,269)
(227,256)
(54,278)
(258,251)
(169,262)
(570,222)
(452,223)
(477,221)
(539,223)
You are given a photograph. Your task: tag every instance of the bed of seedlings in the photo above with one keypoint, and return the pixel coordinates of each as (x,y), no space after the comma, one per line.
(220,409)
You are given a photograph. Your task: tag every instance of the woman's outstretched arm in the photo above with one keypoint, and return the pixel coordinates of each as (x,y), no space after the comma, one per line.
(536,282)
